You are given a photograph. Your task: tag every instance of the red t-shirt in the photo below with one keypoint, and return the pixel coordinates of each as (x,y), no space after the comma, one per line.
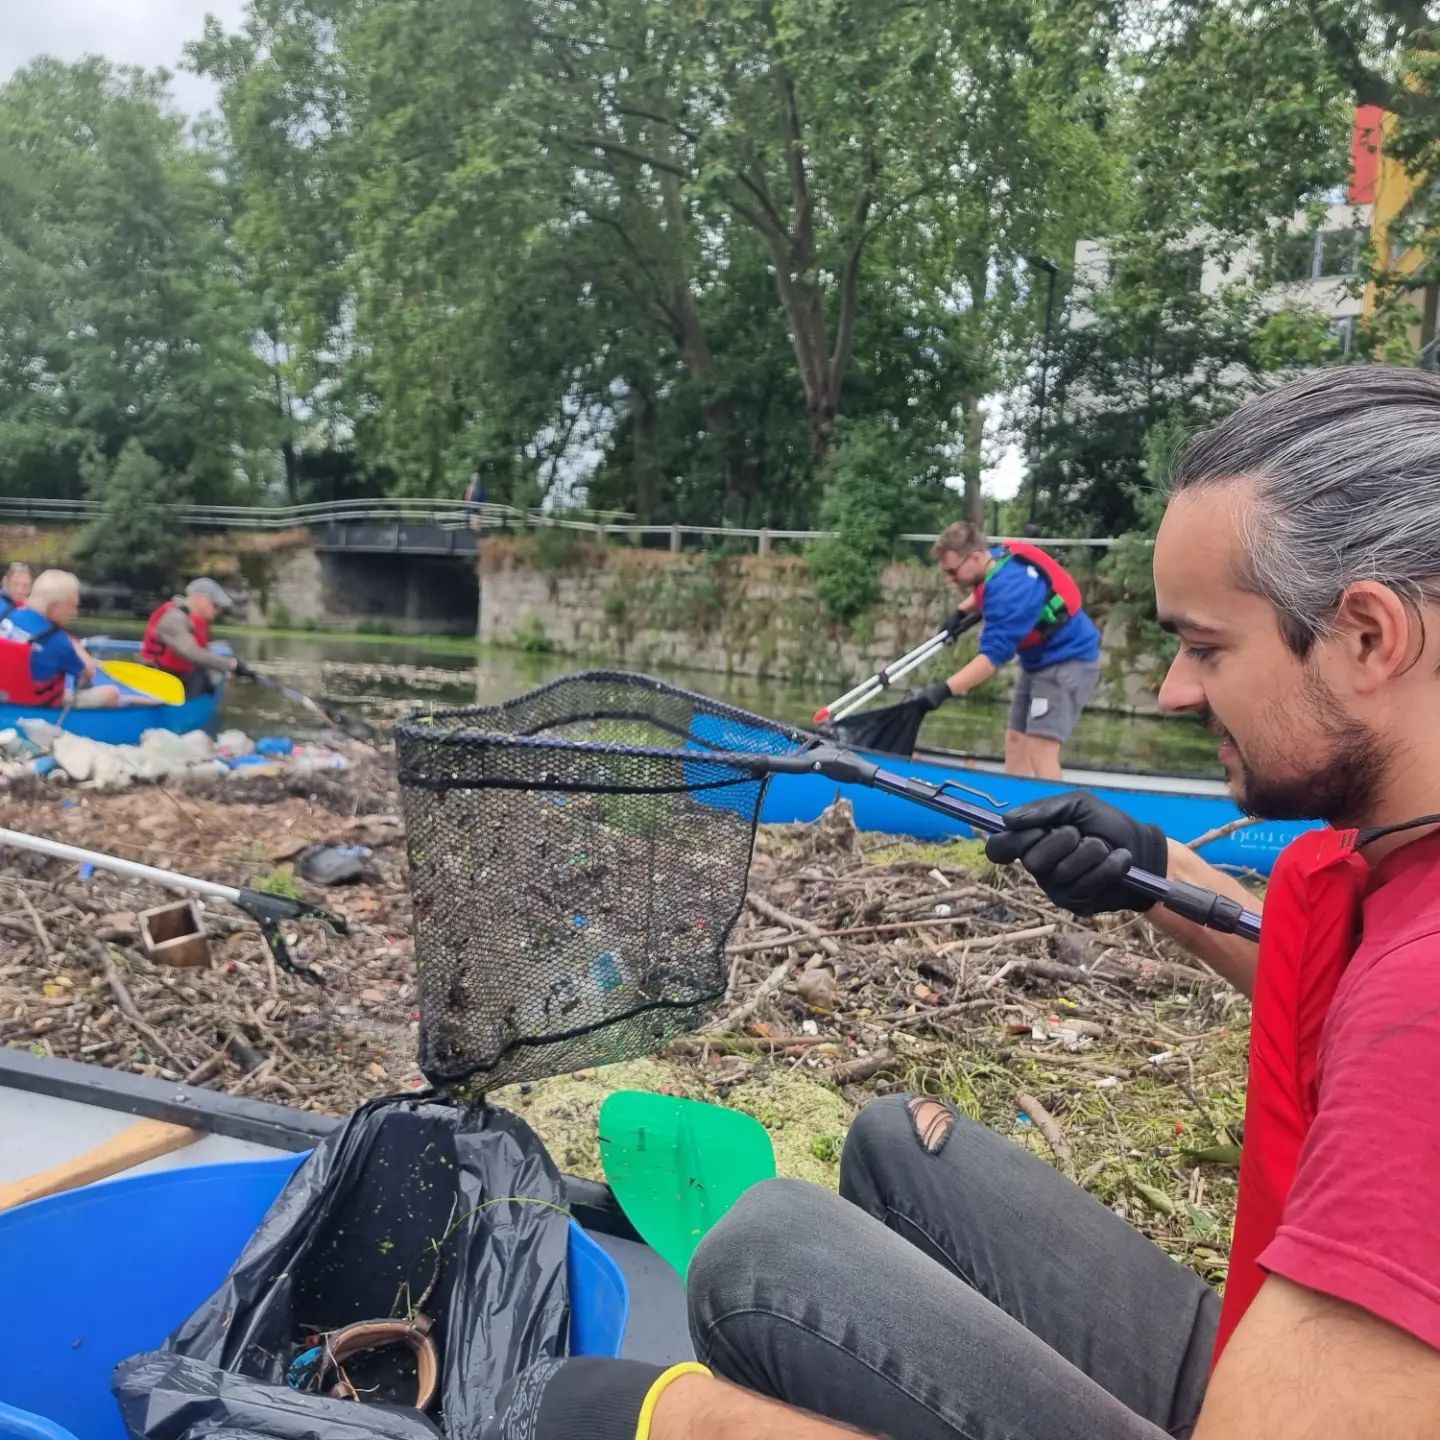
(1360,1222)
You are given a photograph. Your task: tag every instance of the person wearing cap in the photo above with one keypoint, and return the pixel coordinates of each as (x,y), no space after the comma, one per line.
(177,637)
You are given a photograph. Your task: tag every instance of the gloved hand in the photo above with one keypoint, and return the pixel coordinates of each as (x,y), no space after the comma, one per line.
(243,671)
(1078,848)
(582,1398)
(958,623)
(932,697)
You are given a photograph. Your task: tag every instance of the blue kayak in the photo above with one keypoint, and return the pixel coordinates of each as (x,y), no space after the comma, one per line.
(1184,807)
(125,725)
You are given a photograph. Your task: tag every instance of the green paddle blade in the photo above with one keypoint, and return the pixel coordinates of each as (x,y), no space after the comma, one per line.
(676,1166)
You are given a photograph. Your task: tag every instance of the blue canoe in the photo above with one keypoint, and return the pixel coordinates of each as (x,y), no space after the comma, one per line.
(1184,807)
(96,1274)
(127,724)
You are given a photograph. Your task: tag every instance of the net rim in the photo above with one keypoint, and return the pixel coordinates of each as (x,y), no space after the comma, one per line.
(421,725)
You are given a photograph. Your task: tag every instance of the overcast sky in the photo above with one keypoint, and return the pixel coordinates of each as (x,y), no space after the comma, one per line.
(129,32)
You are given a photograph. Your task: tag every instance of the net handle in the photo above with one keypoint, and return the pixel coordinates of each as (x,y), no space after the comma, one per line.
(1204,907)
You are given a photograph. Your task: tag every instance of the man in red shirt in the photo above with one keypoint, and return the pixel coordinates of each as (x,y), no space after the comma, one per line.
(958,1288)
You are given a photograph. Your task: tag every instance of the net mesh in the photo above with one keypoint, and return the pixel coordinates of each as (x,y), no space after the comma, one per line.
(577,864)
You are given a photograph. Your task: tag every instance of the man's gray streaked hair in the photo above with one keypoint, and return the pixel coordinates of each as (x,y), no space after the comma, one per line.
(1345,469)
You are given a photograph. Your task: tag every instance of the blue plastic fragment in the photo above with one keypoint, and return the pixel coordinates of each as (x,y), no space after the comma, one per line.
(275,745)
(298,1375)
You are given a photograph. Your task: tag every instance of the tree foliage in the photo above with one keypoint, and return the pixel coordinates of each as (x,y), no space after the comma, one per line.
(134,540)
(668,240)
(879,484)
(666,258)
(125,312)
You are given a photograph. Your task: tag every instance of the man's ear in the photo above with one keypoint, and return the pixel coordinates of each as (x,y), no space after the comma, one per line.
(1380,635)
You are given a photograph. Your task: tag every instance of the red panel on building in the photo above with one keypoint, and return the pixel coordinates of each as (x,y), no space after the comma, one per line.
(1366,138)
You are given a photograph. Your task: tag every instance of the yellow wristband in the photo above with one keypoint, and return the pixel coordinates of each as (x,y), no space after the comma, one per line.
(652,1399)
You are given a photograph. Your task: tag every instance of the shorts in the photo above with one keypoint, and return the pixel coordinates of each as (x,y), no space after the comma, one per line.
(1048,702)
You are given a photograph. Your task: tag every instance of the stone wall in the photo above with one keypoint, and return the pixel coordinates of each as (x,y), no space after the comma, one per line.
(747,615)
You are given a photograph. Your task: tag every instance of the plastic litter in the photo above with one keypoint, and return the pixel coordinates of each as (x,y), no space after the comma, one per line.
(333,864)
(234,743)
(275,745)
(309,758)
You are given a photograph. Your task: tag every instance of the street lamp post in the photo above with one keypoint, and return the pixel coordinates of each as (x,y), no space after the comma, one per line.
(1052,271)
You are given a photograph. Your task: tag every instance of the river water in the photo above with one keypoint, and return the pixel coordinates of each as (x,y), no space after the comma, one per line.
(378,678)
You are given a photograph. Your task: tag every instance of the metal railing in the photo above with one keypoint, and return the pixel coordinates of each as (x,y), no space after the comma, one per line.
(457,515)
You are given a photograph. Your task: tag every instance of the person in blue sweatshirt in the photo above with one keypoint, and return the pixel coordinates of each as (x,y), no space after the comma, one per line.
(1032,611)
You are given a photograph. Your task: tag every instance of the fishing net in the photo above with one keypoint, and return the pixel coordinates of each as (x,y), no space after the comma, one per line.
(577,863)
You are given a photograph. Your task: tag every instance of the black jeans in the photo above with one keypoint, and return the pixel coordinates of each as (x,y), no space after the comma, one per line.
(972,1292)
(198,681)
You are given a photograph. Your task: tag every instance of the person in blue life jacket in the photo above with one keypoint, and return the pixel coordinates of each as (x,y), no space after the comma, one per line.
(15,588)
(1032,612)
(39,655)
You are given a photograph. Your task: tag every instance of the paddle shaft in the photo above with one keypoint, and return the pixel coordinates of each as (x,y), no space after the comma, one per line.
(306,702)
(1204,907)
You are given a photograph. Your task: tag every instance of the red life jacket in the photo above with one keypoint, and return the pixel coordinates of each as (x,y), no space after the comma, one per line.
(1061,605)
(154,651)
(17,685)
(1312,925)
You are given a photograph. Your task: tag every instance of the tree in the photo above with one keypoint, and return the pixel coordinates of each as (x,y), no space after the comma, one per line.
(868,516)
(609,171)
(134,540)
(1149,351)
(128,316)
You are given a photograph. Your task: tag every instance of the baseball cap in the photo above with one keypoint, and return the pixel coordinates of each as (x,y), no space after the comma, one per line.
(210,590)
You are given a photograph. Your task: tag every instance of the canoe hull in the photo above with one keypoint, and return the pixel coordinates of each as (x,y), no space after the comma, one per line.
(124,726)
(1183,814)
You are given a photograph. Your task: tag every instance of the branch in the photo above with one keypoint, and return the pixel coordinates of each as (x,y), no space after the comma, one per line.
(850,277)
(754,182)
(777,239)
(668,121)
(627,152)
(803,234)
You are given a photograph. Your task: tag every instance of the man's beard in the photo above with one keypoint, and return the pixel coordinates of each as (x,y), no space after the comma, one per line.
(1341,789)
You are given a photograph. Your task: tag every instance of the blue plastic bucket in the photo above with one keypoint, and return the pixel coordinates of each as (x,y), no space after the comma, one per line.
(92,1276)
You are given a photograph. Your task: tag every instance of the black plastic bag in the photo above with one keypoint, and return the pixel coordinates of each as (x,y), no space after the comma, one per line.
(356,1236)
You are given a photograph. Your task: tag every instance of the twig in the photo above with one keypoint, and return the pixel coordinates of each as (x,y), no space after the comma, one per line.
(991,942)
(778,916)
(207,1069)
(181,808)
(1221,831)
(45,942)
(766,988)
(903,1018)
(853,1072)
(1049,1127)
(254,1077)
(126,1003)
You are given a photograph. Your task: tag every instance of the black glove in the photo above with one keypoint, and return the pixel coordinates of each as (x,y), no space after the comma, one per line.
(932,697)
(243,671)
(1079,848)
(583,1398)
(959,623)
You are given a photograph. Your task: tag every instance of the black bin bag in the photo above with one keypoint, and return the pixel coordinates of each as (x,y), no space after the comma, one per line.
(414,1205)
